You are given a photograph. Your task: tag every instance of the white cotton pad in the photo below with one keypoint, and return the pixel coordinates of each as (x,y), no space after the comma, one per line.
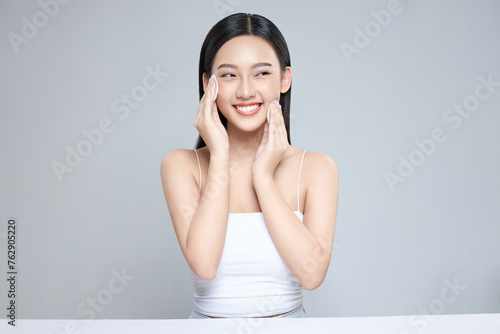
(216,87)
(268,108)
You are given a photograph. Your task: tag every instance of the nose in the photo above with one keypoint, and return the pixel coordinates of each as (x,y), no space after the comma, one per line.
(245,89)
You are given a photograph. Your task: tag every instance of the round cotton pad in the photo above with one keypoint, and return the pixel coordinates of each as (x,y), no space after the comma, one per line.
(216,87)
(268,108)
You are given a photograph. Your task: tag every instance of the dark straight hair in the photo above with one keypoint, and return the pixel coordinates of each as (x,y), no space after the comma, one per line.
(241,24)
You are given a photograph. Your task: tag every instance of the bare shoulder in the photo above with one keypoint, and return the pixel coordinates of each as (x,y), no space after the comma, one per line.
(319,167)
(321,159)
(175,160)
(179,184)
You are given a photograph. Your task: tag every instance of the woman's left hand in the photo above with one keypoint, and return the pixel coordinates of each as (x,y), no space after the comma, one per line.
(273,145)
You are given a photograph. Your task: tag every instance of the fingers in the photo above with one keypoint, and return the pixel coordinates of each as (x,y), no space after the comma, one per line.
(212,89)
(274,105)
(214,111)
(205,108)
(269,108)
(208,98)
(210,93)
(277,131)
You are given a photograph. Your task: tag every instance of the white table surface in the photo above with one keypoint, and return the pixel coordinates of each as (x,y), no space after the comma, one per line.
(430,324)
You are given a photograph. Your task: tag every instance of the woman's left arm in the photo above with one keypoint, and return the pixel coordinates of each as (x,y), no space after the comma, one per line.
(306,247)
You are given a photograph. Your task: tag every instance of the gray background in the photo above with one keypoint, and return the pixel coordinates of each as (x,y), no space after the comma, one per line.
(395,250)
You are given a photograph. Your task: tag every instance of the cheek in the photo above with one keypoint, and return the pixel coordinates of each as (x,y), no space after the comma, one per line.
(224,98)
(274,82)
(225,93)
(271,88)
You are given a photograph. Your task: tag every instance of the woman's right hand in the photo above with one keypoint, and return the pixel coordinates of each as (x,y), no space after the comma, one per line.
(208,122)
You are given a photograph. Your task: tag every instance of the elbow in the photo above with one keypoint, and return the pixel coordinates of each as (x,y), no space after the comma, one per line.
(312,283)
(205,273)
(311,286)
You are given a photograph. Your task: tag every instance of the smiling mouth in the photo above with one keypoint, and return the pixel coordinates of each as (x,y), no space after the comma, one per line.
(249,109)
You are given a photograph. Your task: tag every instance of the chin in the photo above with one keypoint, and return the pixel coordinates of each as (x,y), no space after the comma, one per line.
(249,126)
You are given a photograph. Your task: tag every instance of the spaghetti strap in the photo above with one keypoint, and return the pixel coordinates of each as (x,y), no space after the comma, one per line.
(199,167)
(298,181)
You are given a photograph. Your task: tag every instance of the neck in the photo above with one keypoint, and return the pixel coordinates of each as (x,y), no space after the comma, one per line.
(243,145)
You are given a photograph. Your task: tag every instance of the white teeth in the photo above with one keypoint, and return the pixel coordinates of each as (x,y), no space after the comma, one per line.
(247,109)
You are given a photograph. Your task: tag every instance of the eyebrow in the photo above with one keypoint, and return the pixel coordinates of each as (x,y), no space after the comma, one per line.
(236,67)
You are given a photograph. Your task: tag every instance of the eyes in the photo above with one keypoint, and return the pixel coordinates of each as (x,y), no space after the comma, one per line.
(231,75)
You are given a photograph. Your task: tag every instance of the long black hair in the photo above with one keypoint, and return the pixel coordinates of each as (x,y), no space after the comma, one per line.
(238,25)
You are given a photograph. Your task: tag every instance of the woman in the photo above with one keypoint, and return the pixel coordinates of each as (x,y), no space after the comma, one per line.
(254,216)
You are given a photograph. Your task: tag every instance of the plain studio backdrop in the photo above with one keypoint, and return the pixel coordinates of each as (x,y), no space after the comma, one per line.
(403,95)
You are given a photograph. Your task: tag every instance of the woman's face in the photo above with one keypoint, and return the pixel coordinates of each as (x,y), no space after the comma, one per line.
(249,78)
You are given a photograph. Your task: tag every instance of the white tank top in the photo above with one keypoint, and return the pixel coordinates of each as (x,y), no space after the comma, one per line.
(252,279)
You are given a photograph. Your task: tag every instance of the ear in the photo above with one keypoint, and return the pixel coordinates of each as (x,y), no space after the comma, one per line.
(286,80)
(205,81)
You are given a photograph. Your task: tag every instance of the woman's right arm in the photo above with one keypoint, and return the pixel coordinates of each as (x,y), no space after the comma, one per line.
(200,220)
